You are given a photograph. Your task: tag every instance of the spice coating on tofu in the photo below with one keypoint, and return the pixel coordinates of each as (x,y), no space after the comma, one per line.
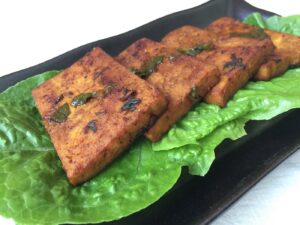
(183,80)
(236,64)
(93,110)
(284,56)
(288,44)
(187,38)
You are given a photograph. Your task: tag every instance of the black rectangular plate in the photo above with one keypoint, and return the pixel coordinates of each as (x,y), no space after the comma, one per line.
(239,165)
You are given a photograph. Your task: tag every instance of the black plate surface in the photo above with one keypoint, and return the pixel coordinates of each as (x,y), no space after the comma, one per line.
(239,165)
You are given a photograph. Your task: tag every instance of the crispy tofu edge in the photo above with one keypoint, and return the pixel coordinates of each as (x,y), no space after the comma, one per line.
(89,169)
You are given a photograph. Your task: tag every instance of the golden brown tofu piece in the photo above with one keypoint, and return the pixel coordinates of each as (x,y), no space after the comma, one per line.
(93,110)
(231,32)
(288,43)
(236,66)
(188,37)
(229,27)
(277,63)
(224,56)
(181,78)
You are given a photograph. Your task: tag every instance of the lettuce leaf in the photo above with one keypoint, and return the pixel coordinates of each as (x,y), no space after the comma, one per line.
(205,118)
(34,188)
(287,24)
(33,181)
(20,123)
(256,101)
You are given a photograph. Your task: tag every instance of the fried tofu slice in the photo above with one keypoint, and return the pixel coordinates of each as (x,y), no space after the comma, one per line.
(181,78)
(288,44)
(229,27)
(241,34)
(188,37)
(277,63)
(93,110)
(236,64)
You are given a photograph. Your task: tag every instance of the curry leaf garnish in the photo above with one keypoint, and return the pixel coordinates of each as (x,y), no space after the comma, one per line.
(130,104)
(195,50)
(148,66)
(235,62)
(257,33)
(135,71)
(61,114)
(82,99)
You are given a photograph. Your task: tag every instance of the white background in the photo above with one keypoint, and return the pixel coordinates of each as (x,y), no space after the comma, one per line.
(34,31)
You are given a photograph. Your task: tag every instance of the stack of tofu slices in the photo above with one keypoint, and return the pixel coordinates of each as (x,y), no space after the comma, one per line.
(97,107)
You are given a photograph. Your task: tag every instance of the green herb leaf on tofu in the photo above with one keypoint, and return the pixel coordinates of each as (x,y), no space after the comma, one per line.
(130,104)
(136,71)
(61,114)
(257,33)
(82,99)
(195,50)
(148,67)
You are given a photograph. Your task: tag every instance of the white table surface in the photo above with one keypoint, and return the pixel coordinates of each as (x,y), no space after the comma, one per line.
(34,31)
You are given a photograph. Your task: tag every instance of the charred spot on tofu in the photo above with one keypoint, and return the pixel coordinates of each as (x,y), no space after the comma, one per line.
(98,73)
(103,109)
(182,79)
(234,63)
(130,104)
(236,66)
(92,125)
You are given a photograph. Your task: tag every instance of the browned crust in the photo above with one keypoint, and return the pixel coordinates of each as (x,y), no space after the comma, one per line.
(276,64)
(232,78)
(187,37)
(287,52)
(252,52)
(175,77)
(287,43)
(85,152)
